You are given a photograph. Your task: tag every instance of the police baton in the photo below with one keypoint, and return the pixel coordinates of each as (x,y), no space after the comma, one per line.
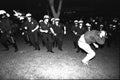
(12,39)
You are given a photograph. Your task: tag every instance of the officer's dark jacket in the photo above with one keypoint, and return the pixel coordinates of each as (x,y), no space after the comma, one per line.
(58,29)
(31,25)
(44,26)
(78,30)
(6,24)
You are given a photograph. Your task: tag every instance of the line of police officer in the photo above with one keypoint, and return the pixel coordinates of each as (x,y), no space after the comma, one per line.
(98,23)
(78,29)
(51,33)
(32,31)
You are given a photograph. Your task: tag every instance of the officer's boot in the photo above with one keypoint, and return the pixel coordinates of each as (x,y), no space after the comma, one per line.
(43,43)
(6,47)
(50,48)
(15,46)
(60,45)
(75,44)
(37,47)
(78,49)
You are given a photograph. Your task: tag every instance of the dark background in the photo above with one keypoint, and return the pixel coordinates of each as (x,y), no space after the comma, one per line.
(69,7)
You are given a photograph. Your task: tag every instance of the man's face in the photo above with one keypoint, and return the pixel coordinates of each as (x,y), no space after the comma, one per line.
(80,24)
(46,20)
(76,23)
(53,22)
(29,18)
(102,34)
(56,22)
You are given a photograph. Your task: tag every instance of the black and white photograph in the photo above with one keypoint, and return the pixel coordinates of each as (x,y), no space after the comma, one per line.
(59,39)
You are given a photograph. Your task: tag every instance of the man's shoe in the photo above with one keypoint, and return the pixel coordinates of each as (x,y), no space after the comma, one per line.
(16,50)
(39,49)
(50,51)
(60,49)
(85,63)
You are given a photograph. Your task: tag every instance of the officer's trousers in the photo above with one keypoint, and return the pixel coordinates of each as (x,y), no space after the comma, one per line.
(86,47)
(5,41)
(59,40)
(34,40)
(48,41)
(75,40)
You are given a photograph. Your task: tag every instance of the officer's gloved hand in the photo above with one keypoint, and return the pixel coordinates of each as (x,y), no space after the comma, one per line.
(25,28)
(32,30)
(55,34)
(96,46)
(65,33)
(46,31)
(76,33)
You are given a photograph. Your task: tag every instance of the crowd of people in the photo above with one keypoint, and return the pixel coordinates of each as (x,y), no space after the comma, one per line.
(51,31)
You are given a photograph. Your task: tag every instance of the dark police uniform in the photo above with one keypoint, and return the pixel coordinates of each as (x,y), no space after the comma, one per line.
(47,36)
(74,28)
(79,31)
(7,36)
(33,35)
(59,30)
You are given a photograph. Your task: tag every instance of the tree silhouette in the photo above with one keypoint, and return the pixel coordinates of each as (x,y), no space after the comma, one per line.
(56,14)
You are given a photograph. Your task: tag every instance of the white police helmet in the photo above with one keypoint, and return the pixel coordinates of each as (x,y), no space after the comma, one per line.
(46,17)
(81,21)
(2,12)
(21,17)
(88,24)
(52,19)
(75,21)
(28,15)
(101,25)
(40,21)
(57,19)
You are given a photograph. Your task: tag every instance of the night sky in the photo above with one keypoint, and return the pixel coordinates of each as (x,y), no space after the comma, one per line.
(94,7)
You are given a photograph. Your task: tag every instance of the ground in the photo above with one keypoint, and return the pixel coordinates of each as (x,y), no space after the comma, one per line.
(30,64)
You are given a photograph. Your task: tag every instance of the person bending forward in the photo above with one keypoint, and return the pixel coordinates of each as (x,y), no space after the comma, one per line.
(91,37)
